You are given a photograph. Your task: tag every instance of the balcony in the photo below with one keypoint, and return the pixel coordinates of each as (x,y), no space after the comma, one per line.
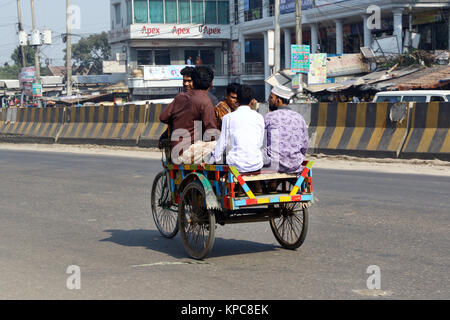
(253,14)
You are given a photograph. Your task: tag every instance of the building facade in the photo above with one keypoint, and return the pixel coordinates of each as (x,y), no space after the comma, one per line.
(166,32)
(157,38)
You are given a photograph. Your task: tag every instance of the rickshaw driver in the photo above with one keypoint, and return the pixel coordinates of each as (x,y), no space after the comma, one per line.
(187,108)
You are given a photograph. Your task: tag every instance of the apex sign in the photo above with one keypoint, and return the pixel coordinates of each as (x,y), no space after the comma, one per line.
(179,31)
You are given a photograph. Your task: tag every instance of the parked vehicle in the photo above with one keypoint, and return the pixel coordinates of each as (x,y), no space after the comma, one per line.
(413,96)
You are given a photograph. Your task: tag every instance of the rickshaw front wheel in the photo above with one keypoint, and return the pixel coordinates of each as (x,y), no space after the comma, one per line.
(163,210)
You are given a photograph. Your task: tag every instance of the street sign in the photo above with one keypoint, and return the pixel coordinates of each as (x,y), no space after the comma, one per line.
(300,58)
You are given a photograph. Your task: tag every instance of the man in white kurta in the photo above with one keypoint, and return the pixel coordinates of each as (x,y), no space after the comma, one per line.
(242,136)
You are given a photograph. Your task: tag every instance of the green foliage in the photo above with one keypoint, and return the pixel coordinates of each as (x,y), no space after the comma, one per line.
(29,55)
(89,53)
(10,72)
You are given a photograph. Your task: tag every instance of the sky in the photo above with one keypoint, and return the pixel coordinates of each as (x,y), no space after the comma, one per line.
(50,14)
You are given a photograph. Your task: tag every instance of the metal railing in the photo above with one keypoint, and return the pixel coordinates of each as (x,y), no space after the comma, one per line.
(253,14)
(253,68)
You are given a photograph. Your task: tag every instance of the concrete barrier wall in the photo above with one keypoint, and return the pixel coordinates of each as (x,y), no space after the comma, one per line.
(103,125)
(429,134)
(363,129)
(153,128)
(32,124)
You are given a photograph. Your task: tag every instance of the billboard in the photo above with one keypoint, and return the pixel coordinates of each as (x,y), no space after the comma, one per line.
(300,58)
(171,72)
(288,6)
(317,68)
(28,74)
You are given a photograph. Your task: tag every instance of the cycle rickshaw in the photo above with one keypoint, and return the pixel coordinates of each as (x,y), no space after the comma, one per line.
(193,198)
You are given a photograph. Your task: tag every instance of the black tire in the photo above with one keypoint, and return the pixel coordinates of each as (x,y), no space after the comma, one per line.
(165,213)
(196,223)
(291,226)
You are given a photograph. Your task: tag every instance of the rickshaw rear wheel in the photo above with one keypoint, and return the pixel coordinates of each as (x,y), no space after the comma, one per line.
(164,212)
(291,226)
(196,223)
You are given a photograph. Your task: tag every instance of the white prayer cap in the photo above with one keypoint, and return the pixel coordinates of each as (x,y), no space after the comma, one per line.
(282,92)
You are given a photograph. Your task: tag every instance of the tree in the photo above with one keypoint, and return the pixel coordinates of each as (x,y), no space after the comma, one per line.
(29,56)
(10,72)
(89,53)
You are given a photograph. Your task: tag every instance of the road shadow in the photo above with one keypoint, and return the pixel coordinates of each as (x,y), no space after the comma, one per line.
(152,240)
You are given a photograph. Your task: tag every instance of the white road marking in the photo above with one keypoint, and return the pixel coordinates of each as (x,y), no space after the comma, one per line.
(373,293)
(165,263)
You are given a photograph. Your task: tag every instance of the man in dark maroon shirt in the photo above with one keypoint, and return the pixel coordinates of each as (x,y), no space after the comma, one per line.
(188,108)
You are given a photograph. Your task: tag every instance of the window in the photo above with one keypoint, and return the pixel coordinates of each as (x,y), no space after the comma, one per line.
(156,11)
(184,11)
(448,98)
(162,57)
(224,12)
(211,11)
(236,11)
(129,13)
(437,98)
(252,9)
(117,14)
(197,11)
(144,57)
(171,11)
(415,99)
(140,11)
(207,56)
(391,99)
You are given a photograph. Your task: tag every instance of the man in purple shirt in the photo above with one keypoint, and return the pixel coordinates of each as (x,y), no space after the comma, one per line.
(287,133)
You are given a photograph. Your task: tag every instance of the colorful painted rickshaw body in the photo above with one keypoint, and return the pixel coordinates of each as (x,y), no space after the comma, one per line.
(223,181)
(192,198)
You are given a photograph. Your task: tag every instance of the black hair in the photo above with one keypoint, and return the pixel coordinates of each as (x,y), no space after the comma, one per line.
(202,77)
(232,88)
(245,94)
(284,101)
(187,71)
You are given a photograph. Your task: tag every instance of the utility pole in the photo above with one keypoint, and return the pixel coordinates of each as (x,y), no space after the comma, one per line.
(299,35)
(277,51)
(19,18)
(68,51)
(298,22)
(36,48)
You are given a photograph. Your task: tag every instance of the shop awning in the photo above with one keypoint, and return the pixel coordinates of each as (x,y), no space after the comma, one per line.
(410,78)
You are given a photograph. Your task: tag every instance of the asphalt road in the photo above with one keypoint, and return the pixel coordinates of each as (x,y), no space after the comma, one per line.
(58,210)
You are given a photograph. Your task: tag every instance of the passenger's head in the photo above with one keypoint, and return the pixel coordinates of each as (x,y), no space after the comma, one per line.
(245,95)
(231,95)
(279,96)
(202,78)
(187,78)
